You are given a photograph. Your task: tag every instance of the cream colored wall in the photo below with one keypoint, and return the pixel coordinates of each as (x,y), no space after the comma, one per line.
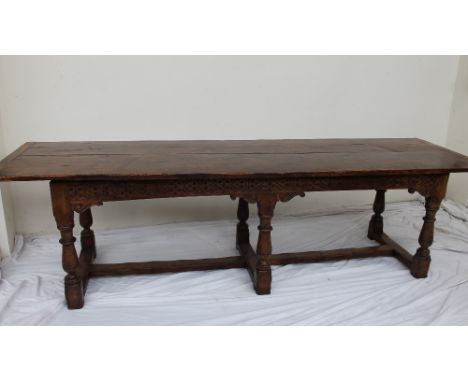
(457,136)
(7,223)
(238,97)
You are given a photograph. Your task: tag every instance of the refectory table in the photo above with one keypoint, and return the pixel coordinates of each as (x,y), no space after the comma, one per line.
(265,172)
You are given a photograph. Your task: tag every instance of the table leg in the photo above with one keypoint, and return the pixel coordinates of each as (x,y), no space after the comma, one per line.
(266,205)
(64,217)
(88,242)
(422,258)
(242,232)
(376,223)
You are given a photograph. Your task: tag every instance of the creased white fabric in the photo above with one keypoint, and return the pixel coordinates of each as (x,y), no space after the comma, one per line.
(378,291)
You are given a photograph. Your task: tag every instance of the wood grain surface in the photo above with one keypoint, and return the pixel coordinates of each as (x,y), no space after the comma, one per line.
(146,160)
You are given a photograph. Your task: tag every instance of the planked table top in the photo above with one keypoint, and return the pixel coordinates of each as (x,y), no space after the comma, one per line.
(144,160)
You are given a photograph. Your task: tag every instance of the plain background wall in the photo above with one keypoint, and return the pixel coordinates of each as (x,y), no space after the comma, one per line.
(55,98)
(457,137)
(7,223)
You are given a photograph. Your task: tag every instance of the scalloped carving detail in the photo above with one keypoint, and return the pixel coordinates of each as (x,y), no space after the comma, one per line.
(87,193)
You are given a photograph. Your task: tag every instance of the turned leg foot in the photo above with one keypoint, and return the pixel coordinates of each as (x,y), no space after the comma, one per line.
(266,206)
(422,258)
(74,292)
(64,216)
(263,281)
(376,222)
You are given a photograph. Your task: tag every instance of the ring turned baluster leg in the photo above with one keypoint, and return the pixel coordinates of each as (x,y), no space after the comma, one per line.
(266,206)
(88,243)
(422,258)
(242,232)
(64,217)
(376,222)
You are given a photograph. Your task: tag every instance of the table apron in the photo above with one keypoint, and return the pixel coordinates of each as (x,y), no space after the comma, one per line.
(96,192)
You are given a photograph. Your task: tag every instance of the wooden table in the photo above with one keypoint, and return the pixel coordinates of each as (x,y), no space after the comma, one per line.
(265,172)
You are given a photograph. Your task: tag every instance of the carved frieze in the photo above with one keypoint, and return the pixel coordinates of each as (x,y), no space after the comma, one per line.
(86,193)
